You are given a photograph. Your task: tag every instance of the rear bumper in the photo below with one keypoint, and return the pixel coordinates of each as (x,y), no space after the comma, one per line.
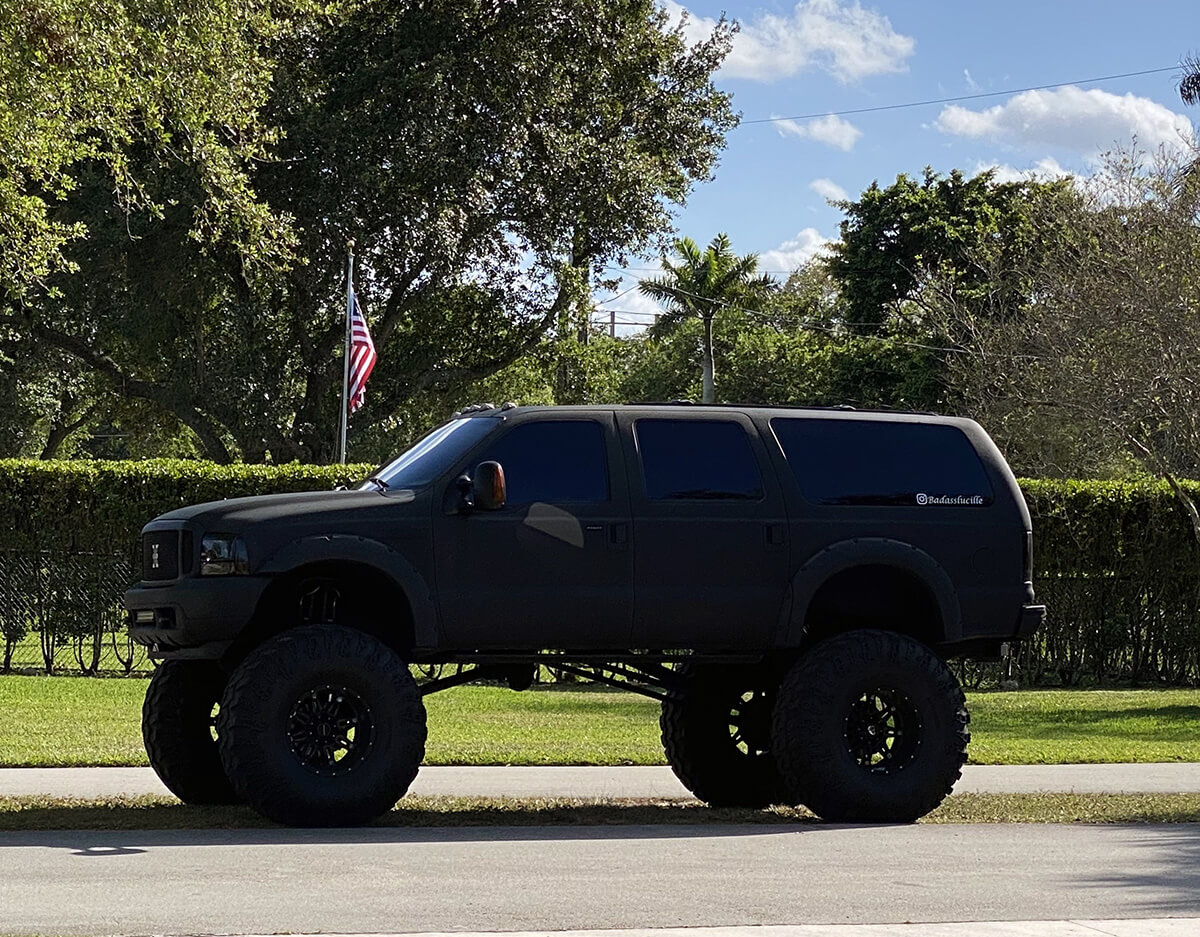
(192,612)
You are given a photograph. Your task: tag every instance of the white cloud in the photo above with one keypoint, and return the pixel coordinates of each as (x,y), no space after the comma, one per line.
(1086,122)
(829,129)
(637,306)
(632,309)
(1044,170)
(828,190)
(838,36)
(972,84)
(792,253)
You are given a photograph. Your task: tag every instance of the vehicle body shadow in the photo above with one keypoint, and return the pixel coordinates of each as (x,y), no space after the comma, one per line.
(114,827)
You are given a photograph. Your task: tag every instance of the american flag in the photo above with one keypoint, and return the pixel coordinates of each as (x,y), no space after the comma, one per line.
(362,355)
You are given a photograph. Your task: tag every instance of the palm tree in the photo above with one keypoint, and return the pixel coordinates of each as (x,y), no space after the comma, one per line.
(701,285)
(1189,83)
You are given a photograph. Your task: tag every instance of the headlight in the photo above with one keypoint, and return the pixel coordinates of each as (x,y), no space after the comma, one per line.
(222,555)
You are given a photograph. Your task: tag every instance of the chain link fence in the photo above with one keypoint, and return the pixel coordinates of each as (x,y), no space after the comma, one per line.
(62,613)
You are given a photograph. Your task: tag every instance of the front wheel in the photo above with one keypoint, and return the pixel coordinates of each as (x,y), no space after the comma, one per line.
(178,731)
(870,726)
(322,726)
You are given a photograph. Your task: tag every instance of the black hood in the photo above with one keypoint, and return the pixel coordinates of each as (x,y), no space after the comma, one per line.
(314,509)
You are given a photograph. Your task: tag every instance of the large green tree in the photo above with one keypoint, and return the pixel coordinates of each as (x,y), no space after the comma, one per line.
(960,232)
(83,80)
(490,160)
(702,285)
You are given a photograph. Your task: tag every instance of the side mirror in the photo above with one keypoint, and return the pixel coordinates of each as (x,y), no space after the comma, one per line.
(488,492)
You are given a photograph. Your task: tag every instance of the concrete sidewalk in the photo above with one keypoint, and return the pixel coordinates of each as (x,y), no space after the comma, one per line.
(1153,927)
(1168,778)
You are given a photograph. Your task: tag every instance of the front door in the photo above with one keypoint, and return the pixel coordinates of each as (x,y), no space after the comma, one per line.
(553,567)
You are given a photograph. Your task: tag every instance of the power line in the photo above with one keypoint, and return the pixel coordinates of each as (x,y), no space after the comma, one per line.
(961,97)
(784,319)
(607,321)
(613,299)
(605,313)
(811,326)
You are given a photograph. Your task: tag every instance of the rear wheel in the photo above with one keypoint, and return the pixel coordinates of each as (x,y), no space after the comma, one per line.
(716,733)
(870,726)
(322,726)
(178,729)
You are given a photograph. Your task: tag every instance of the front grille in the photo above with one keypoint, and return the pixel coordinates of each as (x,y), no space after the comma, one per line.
(160,555)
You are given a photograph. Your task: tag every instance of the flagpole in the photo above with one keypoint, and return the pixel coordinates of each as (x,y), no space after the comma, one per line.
(346,354)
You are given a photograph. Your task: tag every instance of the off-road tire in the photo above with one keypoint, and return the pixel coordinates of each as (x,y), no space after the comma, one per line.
(870,726)
(716,733)
(177,728)
(322,726)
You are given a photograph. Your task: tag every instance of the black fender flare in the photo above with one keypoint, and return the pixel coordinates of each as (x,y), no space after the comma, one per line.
(871,551)
(346,548)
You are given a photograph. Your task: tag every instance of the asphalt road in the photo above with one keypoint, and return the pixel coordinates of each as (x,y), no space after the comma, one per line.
(404,881)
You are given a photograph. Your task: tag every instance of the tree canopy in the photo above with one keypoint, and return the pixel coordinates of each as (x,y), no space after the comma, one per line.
(955,229)
(492,161)
(1189,81)
(69,96)
(1104,362)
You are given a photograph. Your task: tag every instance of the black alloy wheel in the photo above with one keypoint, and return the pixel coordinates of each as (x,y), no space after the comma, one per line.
(883,731)
(750,722)
(330,729)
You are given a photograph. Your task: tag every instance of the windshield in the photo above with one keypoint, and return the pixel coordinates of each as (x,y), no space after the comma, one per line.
(433,454)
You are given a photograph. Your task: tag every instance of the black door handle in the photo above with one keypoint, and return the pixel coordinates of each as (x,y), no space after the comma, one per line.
(776,535)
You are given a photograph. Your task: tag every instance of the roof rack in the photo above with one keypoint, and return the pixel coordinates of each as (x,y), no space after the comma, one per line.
(481,407)
(844,407)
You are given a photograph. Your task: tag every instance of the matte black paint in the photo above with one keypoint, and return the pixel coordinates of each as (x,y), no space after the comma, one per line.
(631,572)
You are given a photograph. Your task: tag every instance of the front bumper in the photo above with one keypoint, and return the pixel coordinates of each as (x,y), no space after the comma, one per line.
(192,612)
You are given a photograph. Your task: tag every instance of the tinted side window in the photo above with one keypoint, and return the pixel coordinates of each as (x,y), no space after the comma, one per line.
(558,460)
(697,459)
(852,462)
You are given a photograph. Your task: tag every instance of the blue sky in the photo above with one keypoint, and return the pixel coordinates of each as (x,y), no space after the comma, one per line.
(825,56)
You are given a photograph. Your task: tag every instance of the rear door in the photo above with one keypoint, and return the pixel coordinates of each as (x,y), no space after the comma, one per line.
(710,531)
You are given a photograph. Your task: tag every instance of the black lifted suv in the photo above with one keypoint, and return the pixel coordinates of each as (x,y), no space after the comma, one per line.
(787,582)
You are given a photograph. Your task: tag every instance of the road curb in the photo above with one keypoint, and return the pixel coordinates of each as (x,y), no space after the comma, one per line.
(1153,927)
(630,782)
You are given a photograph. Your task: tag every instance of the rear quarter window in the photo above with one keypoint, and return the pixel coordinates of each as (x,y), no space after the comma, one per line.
(853,462)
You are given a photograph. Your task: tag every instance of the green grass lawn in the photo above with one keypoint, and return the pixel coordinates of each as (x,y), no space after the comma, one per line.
(84,721)
(1037,727)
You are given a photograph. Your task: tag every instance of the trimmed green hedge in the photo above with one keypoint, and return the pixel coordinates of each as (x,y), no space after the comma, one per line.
(100,507)
(1118,566)
(1116,562)
(66,612)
